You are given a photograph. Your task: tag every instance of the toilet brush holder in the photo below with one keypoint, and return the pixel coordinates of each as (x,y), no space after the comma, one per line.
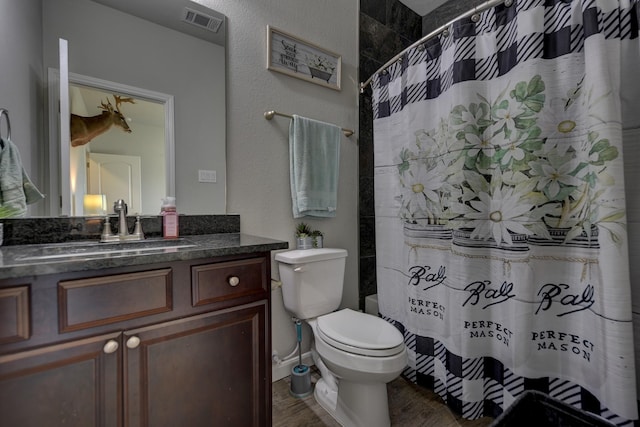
(300,381)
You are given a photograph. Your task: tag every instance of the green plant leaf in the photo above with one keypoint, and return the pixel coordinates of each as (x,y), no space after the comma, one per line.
(8,212)
(603,144)
(531,94)
(535,102)
(483,162)
(476,182)
(302,230)
(404,166)
(534,132)
(536,86)
(614,217)
(608,154)
(523,123)
(520,92)
(532,145)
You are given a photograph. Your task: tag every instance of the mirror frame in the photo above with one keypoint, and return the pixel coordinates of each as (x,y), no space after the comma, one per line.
(59,188)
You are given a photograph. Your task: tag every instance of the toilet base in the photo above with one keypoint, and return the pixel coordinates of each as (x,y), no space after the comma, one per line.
(355,404)
(325,396)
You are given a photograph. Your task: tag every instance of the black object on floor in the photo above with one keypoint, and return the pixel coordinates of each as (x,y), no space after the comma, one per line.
(533,408)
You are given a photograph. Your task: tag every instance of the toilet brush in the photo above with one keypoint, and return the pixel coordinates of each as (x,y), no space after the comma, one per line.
(300,374)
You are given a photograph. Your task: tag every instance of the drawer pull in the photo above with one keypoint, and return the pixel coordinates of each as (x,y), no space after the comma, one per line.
(234,281)
(133,342)
(111,346)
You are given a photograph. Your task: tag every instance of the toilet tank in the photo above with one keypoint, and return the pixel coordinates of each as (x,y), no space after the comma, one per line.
(312,280)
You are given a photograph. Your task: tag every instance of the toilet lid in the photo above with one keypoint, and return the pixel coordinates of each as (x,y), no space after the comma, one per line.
(360,333)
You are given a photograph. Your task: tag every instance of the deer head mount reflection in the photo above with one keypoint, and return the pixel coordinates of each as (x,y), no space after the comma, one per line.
(84,129)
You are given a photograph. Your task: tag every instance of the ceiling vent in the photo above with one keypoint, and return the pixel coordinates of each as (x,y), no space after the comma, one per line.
(201,20)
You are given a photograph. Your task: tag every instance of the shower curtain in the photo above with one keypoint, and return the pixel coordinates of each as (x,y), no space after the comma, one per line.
(501,239)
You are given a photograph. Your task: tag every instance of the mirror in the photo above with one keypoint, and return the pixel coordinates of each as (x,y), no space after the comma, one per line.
(121,145)
(107,44)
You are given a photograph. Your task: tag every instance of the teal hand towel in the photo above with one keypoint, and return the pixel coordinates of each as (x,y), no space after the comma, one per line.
(16,189)
(314,157)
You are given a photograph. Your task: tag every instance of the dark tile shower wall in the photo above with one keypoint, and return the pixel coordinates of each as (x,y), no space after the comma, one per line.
(445,13)
(386,28)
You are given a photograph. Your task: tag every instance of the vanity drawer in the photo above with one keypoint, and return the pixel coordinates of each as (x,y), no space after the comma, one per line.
(86,303)
(14,314)
(211,283)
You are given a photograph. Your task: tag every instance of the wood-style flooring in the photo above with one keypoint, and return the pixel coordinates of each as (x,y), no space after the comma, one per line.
(409,406)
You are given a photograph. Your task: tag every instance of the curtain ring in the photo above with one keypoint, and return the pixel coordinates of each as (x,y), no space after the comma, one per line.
(475,17)
(508,3)
(445,32)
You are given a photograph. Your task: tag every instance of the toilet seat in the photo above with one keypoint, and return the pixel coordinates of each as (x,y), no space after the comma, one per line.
(360,333)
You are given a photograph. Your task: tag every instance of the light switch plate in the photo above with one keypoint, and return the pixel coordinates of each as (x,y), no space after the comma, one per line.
(206,176)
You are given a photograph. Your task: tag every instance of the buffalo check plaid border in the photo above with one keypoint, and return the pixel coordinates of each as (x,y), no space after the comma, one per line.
(434,367)
(461,55)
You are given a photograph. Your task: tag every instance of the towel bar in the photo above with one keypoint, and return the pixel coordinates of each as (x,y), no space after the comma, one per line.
(5,113)
(269,115)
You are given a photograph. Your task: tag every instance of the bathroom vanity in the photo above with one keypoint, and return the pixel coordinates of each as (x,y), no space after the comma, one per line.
(168,333)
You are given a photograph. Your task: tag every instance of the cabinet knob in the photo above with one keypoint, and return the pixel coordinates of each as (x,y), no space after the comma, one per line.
(111,346)
(234,280)
(133,342)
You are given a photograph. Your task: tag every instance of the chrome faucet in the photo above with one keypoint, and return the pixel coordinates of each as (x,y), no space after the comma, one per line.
(120,207)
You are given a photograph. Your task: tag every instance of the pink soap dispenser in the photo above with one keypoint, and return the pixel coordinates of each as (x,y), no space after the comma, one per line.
(169,218)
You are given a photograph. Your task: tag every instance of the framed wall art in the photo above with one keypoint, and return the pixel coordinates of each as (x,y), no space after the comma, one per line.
(295,57)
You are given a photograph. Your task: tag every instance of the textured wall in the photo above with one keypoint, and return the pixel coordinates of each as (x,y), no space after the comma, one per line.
(257,149)
(21,91)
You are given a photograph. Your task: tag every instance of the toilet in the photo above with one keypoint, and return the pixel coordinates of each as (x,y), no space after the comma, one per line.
(357,353)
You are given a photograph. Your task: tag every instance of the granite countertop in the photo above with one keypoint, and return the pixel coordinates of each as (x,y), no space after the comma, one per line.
(38,259)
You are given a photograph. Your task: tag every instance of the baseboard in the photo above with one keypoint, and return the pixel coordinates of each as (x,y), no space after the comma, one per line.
(282,370)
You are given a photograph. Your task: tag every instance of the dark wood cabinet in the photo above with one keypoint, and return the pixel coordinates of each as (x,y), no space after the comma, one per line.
(207,367)
(70,384)
(193,351)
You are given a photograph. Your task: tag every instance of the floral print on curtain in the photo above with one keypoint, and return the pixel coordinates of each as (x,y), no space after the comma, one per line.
(501,240)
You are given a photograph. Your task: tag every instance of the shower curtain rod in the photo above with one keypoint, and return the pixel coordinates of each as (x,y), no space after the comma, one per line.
(269,115)
(471,12)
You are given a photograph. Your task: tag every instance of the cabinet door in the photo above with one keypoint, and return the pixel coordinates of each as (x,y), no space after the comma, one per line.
(69,384)
(205,370)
